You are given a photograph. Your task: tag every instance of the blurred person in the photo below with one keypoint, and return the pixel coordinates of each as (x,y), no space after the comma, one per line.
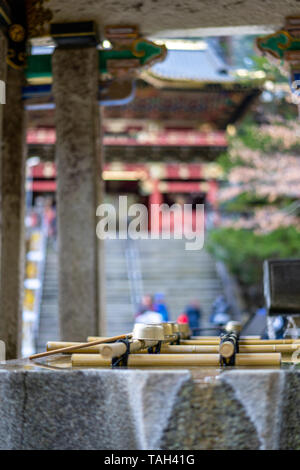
(193,313)
(220,312)
(183,318)
(278,325)
(146,311)
(159,306)
(146,304)
(50,218)
(149,316)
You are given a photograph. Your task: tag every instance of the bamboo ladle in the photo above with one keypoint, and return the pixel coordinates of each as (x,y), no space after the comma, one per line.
(151,333)
(143,336)
(79,346)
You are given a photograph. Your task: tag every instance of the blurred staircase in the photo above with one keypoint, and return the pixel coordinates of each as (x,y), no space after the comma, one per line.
(183,276)
(119,308)
(49,324)
(166,267)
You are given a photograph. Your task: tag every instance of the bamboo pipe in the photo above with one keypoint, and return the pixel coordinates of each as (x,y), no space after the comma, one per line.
(157,360)
(268,348)
(79,346)
(270,359)
(193,338)
(204,342)
(226,349)
(170,349)
(285,357)
(271,341)
(149,360)
(207,342)
(178,349)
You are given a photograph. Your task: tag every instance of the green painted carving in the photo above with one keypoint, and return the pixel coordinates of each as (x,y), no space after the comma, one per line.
(39,68)
(278,44)
(284,46)
(141,53)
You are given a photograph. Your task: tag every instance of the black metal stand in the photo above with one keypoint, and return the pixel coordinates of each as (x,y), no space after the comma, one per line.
(122,361)
(234,339)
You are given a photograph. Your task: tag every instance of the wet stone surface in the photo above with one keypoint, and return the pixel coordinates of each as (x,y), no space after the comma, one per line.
(52,406)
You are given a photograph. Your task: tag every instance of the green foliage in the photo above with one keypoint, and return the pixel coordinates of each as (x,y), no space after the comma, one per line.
(243,251)
(244,202)
(254,139)
(226,161)
(271,70)
(251,137)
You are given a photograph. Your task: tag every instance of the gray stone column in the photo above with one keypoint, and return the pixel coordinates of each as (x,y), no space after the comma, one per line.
(75,87)
(12,191)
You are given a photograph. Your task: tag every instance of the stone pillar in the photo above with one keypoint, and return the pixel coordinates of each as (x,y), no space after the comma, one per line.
(3,50)
(75,87)
(12,192)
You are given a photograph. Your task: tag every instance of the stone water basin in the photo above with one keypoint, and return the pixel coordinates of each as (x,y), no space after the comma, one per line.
(47,404)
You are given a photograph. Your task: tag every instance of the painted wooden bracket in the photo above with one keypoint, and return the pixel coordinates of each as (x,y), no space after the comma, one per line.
(118,65)
(284,47)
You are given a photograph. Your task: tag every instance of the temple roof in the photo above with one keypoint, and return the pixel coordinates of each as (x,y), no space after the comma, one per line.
(194,66)
(210,105)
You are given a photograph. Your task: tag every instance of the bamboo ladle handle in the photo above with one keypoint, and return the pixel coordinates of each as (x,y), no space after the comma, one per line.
(79,346)
(112,350)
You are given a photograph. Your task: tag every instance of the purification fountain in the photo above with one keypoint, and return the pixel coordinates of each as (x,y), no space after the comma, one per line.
(48,404)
